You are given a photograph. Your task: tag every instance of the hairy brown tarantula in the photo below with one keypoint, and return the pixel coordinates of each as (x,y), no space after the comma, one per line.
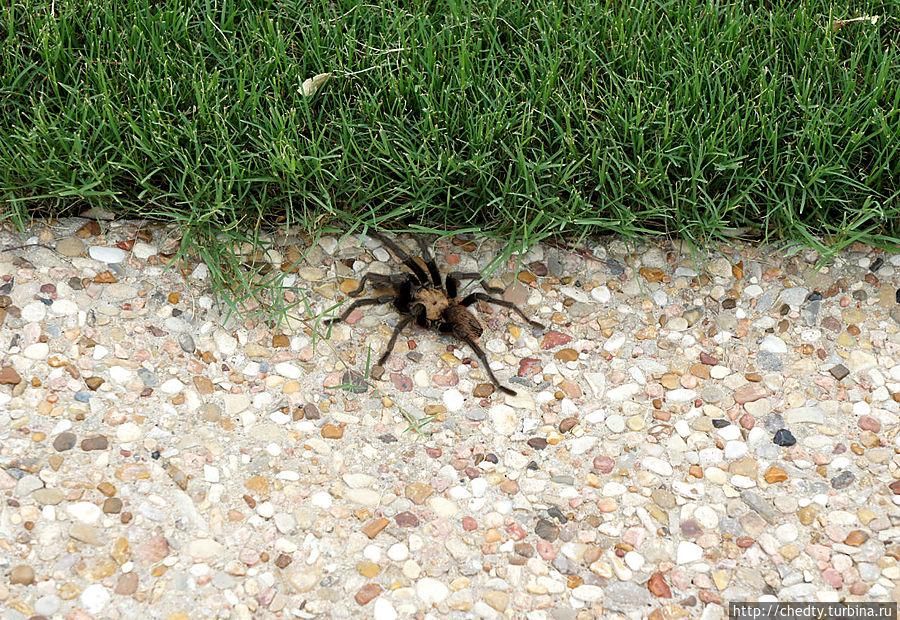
(431,304)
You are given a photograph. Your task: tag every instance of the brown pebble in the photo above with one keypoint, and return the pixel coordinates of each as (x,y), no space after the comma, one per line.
(112,506)
(856,538)
(652,274)
(374,527)
(127,584)
(744,542)
(538,443)
(658,586)
(839,371)
(107,488)
(126,517)
(567,424)
(64,441)
(510,487)
(483,390)
(97,442)
(895,487)
(9,376)
(566,355)
(330,431)
(753,377)
(283,560)
(280,341)
(774,474)
(525,277)
(93,383)
(21,575)
(367,593)
(701,371)
(709,360)
(105,277)
(406,519)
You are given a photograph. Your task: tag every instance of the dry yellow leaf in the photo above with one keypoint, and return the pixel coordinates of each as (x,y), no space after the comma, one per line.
(311,85)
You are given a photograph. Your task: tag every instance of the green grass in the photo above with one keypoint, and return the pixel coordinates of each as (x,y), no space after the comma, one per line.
(520,118)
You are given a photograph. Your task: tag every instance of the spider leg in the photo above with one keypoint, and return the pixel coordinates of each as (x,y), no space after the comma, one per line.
(484,361)
(371,301)
(470,299)
(377,279)
(390,345)
(456,276)
(429,261)
(421,276)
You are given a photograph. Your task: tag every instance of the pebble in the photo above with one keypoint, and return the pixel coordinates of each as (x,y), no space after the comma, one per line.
(646,426)
(106,254)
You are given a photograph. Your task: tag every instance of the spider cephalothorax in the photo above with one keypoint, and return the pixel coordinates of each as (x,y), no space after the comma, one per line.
(431,303)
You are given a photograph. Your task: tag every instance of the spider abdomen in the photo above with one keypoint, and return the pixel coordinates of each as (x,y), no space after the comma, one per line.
(463,320)
(434,301)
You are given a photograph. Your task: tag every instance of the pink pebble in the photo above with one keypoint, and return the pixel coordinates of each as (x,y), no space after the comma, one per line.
(748,421)
(546,550)
(868,423)
(469,524)
(833,578)
(604,464)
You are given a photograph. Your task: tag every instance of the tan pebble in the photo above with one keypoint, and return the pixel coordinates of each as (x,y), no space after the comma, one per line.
(670,381)
(806,515)
(280,341)
(515,331)
(418,492)
(774,474)
(789,552)
(700,370)
(68,591)
(434,409)
(21,575)
(559,318)
(856,538)
(330,431)
(290,387)
(491,535)
(107,488)
(132,471)
(93,569)
(696,471)
(127,584)
(566,355)
(483,390)
(368,569)
(526,277)
(374,527)
(258,484)
(450,359)
(38,437)
(203,384)
(348,285)
(94,383)
(121,550)
(865,515)
(635,422)
(497,599)
(56,362)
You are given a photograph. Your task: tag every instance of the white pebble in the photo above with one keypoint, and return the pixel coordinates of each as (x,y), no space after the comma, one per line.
(288,371)
(442,506)
(106,254)
(398,552)
(383,610)
(94,598)
(172,386)
(657,466)
(86,512)
(34,312)
(614,343)
(479,486)
(634,560)
(504,419)
(773,344)
(453,400)
(431,591)
(142,250)
(64,307)
(119,374)
(266,510)
(601,294)
(735,450)
(128,432)
(688,552)
(37,351)
(322,500)
(615,423)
